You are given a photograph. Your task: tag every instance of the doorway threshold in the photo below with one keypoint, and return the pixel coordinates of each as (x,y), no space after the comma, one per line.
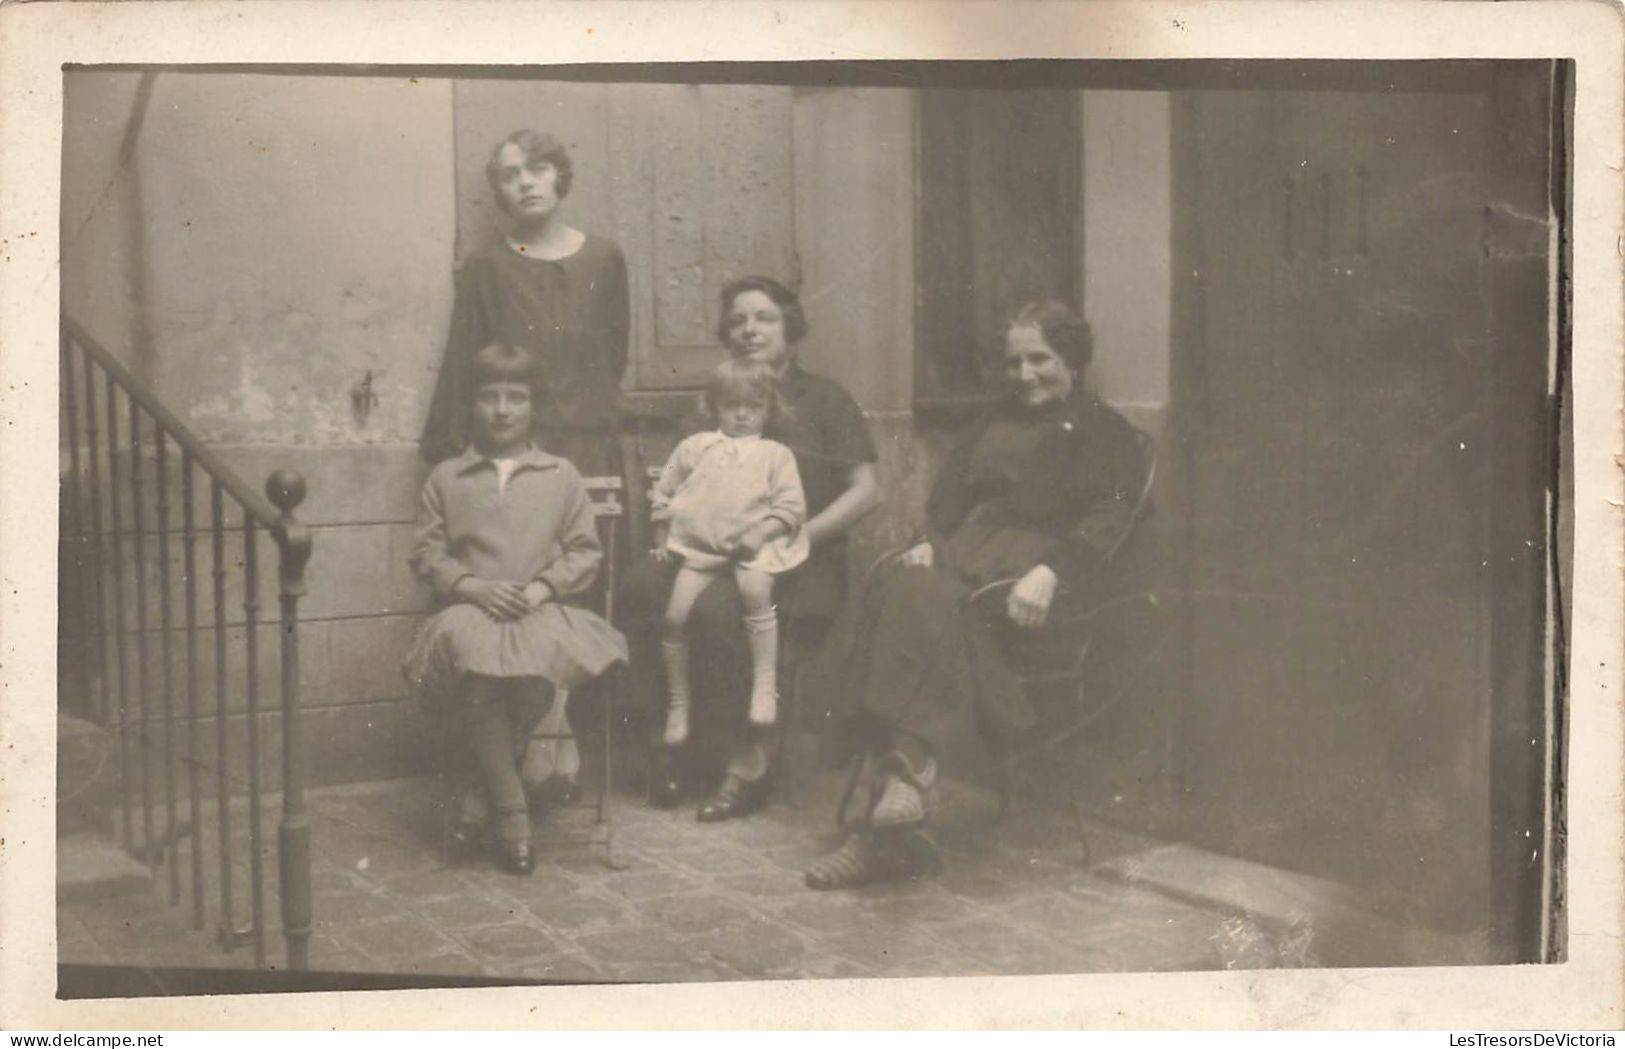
(1306,920)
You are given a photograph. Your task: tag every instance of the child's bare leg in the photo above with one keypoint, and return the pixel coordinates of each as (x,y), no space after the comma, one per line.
(685,590)
(762,632)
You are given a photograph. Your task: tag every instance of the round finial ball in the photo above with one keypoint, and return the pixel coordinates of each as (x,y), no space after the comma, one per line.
(286,489)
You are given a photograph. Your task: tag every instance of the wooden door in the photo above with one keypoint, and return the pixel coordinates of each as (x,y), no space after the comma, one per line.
(1336,409)
(693,181)
(998,225)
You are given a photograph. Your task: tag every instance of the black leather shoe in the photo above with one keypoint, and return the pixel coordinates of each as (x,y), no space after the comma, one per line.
(736,797)
(665,783)
(517,858)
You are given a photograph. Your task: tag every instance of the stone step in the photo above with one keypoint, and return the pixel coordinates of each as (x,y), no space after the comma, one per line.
(86,775)
(1282,917)
(90,866)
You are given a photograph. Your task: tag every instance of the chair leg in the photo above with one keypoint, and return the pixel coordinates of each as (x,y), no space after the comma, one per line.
(612,692)
(443,783)
(787,712)
(1001,774)
(859,765)
(1082,828)
(442,797)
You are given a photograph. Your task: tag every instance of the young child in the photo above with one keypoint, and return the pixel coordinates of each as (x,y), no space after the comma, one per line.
(729,499)
(505,534)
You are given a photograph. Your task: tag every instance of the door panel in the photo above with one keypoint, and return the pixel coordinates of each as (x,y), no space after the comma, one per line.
(998,224)
(693,181)
(1336,419)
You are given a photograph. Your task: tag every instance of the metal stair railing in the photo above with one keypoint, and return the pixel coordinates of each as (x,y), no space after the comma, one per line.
(118,542)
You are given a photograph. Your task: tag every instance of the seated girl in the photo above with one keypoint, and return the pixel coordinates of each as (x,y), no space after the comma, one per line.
(730,500)
(505,535)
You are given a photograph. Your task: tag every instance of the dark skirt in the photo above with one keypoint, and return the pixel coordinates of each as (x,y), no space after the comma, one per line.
(719,656)
(911,652)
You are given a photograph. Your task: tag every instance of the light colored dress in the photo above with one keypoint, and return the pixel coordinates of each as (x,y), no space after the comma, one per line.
(714,487)
(523,521)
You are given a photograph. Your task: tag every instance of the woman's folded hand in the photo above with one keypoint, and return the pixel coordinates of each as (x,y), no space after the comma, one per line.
(501,601)
(1029,600)
(919,554)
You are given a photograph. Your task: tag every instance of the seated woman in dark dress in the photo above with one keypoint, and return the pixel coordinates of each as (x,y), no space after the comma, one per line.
(761,320)
(1039,490)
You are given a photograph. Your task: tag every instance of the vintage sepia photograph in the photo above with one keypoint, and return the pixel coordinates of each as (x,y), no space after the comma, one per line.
(629,524)
(757,521)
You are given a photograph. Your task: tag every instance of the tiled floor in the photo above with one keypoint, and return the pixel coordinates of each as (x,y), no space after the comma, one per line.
(694,902)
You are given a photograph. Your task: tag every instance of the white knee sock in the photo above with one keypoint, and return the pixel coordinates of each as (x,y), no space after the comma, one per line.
(762,631)
(675,654)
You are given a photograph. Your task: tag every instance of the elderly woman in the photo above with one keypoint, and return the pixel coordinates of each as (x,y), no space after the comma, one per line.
(761,320)
(1038,490)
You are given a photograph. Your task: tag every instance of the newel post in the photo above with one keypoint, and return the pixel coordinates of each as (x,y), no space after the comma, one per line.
(286,490)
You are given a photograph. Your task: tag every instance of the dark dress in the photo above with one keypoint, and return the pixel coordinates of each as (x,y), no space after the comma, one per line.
(573,314)
(1020,488)
(829,437)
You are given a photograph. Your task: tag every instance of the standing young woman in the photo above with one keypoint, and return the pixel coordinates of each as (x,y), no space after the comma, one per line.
(560,294)
(549,288)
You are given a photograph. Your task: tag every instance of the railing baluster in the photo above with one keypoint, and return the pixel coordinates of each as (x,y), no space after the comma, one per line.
(166,618)
(608,697)
(73,526)
(286,490)
(194,785)
(69,424)
(96,641)
(144,736)
(98,622)
(117,625)
(251,623)
(228,921)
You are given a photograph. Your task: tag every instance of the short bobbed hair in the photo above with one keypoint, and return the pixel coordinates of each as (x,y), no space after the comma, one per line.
(538,147)
(1063,330)
(753,382)
(788,302)
(504,362)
